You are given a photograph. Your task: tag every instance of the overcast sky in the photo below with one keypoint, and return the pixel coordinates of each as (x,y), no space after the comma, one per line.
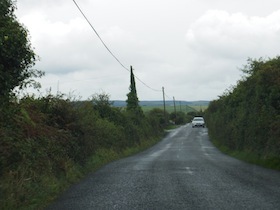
(192,48)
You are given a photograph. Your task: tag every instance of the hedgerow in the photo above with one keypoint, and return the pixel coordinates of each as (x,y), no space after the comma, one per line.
(246,119)
(50,139)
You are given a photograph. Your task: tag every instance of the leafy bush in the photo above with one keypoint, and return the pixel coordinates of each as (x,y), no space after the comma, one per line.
(178,118)
(50,139)
(247,118)
(46,142)
(158,119)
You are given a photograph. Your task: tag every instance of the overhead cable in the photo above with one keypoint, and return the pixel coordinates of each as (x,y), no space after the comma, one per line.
(108,47)
(99,36)
(146,84)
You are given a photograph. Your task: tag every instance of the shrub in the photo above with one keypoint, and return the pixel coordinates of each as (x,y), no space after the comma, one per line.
(249,113)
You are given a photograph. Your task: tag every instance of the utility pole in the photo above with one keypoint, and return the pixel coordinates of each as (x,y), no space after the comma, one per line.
(164,109)
(175,109)
(180,107)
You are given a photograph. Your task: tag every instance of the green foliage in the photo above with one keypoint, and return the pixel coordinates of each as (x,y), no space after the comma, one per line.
(102,104)
(16,54)
(51,139)
(132,100)
(249,114)
(184,108)
(49,142)
(158,119)
(178,118)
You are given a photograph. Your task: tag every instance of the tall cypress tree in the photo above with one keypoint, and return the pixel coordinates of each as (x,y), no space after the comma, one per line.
(132,99)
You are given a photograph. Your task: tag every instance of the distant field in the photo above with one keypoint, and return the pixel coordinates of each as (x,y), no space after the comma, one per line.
(184,106)
(169,109)
(198,108)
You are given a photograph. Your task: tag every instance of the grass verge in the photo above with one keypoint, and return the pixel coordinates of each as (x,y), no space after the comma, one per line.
(76,173)
(270,162)
(38,192)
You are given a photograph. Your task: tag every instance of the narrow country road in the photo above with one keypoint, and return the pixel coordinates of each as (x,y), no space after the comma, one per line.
(183,171)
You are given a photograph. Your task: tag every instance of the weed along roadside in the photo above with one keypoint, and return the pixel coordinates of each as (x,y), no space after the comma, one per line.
(51,143)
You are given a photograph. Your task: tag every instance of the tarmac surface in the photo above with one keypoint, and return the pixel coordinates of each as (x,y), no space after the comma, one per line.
(183,171)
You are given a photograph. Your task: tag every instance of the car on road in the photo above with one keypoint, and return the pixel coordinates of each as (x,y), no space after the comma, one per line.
(198,122)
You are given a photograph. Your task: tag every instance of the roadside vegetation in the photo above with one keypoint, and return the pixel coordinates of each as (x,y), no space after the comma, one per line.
(49,142)
(245,121)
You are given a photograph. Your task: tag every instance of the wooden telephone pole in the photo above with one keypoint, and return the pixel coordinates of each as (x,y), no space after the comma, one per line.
(164,109)
(175,109)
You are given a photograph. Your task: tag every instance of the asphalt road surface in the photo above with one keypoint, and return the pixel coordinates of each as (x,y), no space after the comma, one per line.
(183,171)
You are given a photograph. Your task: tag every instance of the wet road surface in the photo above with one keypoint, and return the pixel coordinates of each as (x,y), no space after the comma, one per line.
(183,171)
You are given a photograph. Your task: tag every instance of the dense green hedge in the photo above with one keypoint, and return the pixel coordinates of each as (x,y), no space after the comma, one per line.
(247,118)
(46,140)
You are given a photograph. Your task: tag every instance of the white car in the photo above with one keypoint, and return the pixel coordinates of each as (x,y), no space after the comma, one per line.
(198,122)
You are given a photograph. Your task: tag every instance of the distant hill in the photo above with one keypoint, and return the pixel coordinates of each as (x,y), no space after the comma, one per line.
(119,103)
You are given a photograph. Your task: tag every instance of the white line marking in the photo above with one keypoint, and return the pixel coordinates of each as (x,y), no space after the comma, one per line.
(189,171)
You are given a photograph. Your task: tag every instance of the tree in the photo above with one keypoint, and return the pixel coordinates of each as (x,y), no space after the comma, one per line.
(132,99)
(16,54)
(101,103)
(157,118)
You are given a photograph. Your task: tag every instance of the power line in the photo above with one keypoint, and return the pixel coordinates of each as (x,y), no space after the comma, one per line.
(167,96)
(99,36)
(146,84)
(109,49)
